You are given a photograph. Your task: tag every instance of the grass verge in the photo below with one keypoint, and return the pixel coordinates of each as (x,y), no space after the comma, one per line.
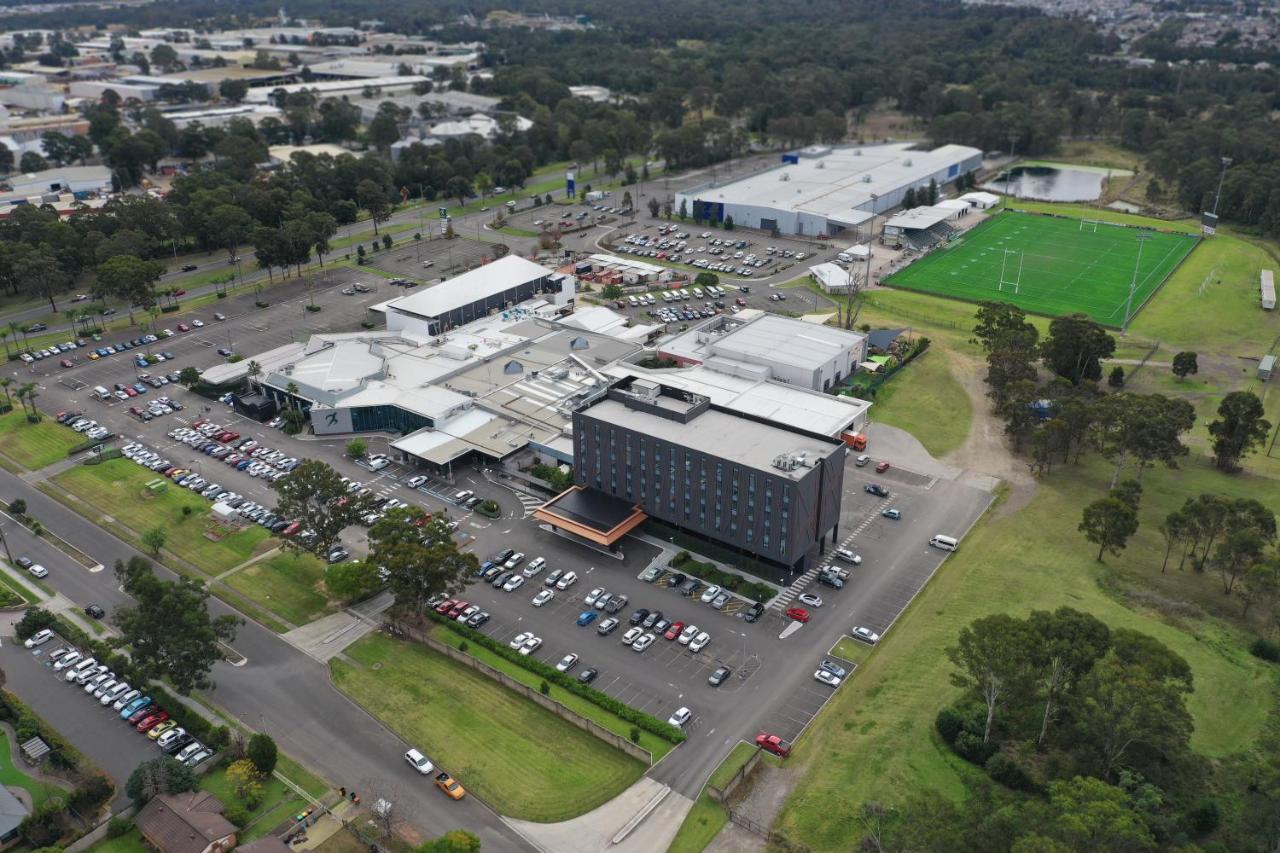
(130,842)
(289,585)
(115,489)
(33,446)
(657,746)
(926,400)
(278,802)
(518,757)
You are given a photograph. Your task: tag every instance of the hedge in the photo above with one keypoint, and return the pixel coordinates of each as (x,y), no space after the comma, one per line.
(706,571)
(651,724)
(61,753)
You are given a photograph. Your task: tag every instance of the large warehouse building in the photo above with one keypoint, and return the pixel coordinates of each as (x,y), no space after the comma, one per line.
(821,190)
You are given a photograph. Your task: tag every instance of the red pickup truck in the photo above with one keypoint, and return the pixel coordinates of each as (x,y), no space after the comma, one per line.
(773,743)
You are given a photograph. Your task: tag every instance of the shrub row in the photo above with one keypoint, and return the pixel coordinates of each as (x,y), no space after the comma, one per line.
(651,724)
(754,590)
(1265,649)
(961,728)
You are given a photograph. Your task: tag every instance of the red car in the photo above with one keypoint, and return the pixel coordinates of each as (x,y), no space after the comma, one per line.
(132,392)
(183,327)
(456,609)
(674,630)
(141,714)
(66,362)
(446,605)
(149,723)
(229,436)
(293,528)
(799,614)
(882,467)
(179,293)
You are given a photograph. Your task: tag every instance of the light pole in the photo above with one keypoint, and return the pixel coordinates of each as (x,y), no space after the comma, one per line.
(1226,161)
(1133,283)
(1008,172)
(5,542)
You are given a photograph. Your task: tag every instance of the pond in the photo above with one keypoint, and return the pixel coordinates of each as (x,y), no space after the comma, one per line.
(1050,183)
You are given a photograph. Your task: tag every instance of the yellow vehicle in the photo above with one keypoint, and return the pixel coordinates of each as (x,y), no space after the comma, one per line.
(450,786)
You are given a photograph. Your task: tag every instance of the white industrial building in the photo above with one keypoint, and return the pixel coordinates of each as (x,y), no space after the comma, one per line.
(49,185)
(768,346)
(496,286)
(222,115)
(352,89)
(832,278)
(821,190)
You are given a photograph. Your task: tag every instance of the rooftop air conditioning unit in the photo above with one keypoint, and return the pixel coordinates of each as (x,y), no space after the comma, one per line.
(907,162)
(866,179)
(784,177)
(821,165)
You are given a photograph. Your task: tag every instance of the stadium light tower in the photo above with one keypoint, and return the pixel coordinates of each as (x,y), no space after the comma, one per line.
(1226,161)
(1133,283)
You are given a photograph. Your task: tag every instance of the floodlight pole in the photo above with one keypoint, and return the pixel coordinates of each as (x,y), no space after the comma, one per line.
(1133,283)
(1226,161)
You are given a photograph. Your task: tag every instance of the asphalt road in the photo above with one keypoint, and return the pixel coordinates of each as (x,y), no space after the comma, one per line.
(279,690)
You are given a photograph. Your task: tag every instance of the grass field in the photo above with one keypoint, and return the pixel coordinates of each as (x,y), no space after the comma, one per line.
(33,446)
(1049,265)
(877,733)
(926,400)
(521,759)
(289,585)
(114,489)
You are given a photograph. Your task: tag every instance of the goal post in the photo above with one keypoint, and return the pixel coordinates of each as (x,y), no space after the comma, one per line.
(1011,275)
(1090,225)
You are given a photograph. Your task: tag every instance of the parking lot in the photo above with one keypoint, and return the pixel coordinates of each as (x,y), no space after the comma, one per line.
(730,254)
(433,258)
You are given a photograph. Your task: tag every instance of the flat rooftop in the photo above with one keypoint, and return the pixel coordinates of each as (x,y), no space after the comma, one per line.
(764,339)
(718,434)
(480,283)
(920,218)
(836,182)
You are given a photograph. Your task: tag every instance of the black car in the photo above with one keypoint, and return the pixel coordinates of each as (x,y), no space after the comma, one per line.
(719,676)
(177,743)
(491,573)
(754,613)
(95,611)
(876,489)
(189,268)
(37,327)
(502,556)
(502,579)
(676,579)
(473,502)
(651,619)
(615,604)
(828,579)
(588,675)
(477,619)
(639,616)
(25,562)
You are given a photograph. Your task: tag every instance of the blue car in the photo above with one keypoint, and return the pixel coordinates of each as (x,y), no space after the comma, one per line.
(240,466)
(224,352)
(134,707)
(141,362)
(484,567)
(103,351)
(586,617)
(140,388)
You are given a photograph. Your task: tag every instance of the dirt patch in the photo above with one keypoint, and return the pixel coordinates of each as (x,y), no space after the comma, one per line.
(759,798)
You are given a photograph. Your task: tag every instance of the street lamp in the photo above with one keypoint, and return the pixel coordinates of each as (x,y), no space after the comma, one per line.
(1226,161)
(1133,283)
(5,542)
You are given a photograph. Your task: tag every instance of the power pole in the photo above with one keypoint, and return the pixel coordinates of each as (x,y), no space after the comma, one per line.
(1226,161)
(1133,283)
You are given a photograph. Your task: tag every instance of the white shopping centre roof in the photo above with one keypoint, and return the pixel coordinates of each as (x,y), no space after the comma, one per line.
(480,283)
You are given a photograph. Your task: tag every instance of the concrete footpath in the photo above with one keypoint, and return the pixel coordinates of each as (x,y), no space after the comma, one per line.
(655,826)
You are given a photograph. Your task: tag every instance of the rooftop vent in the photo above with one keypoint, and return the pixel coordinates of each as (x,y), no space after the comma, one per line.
(579,343)
(512,367)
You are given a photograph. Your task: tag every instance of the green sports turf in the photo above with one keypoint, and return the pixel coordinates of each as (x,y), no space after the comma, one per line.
(1064,269)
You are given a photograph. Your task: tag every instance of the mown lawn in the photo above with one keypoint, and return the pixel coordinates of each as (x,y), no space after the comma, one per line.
(33,446)
(926,400)
(11,776)
(521,759)
(703,822)
(877,734)
(130,842)
(278,802)
(289,585)
(657,746)
(115,489)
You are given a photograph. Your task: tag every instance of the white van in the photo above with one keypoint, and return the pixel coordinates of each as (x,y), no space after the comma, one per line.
(634,302)
(946,543)
(101,393)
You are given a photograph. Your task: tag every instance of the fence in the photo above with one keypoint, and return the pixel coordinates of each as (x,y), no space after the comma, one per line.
(1143,361)
(615,740)
(776,839)
(99,832)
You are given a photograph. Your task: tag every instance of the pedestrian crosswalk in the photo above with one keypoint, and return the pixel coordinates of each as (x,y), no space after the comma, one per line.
(783,599)
(529,502)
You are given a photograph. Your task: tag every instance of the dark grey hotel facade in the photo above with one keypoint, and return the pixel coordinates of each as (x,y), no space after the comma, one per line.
(744,483)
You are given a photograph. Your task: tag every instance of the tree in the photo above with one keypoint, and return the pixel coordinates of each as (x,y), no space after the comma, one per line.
(263,753)
(315,495)
(421,559)
(164,56)
(728,223)
(458,187)
(1239,550)
(154,538)
(1239,429)
(654,207)
(6,159)
(189,376)
(32,162)
(353,580)
(684,210)
(1068,643)
(1185,364)
(1125,705)
(246,781)
(1116,377)
(373,198)
(991,654)
(43,273)
(1075,347)
(706,279)
(168,628)
(128,279)
(356,448)
(1177,528)
(383,131)
(162,775)
(233,90)
(1108,523)
(1088,814)
(456,841)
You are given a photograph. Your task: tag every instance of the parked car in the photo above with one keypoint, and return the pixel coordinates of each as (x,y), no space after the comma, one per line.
(40,637)
(419,762)
(848,556)
(798,614)
(586,617)
(876,489)
(680,718)
(567,662)
(866,635)
(450,786)
(607,626)
(810,600)
(826,678)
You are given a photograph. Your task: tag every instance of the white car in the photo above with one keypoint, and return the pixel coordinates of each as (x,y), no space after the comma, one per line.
(632,635)
(530,645)
(848,556)
(170,737)
(414,482)
(593,595)
(534,567)
(811,600)
(543,597)
(699,642)
(92,684)
(40,637)
(110,696)
(67,661)
(687,635)
(189,750)
(866,635)
(38,571)
(567,580)
(826,678)
(121,701)
(519,640)
(680,718)
(515,583)
(709,594)
(466,614)
(419,762)
(567,662)
(643,643)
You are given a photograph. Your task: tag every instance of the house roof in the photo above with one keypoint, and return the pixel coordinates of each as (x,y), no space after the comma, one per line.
(473,286)
(12,812)
(183,823)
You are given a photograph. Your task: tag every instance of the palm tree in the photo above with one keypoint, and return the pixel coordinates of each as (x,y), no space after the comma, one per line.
(15,329)
(33,392)
(254,371)
(4,336)
(4,385)
(23,392)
